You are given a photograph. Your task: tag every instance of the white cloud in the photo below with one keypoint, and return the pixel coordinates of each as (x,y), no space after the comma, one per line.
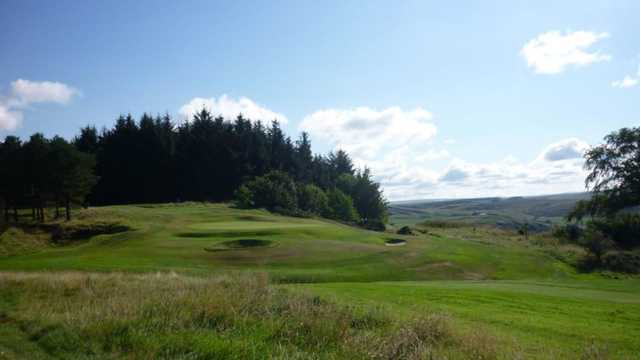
(397,145)
(366,133)
(557,168)
(628,81)
(27,92)
(230,108)
(552,52)
(9,120)
(571,148)
(24,93)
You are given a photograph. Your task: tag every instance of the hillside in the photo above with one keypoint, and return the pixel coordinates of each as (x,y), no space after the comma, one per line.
(230,283)
(540,212)
(196,238)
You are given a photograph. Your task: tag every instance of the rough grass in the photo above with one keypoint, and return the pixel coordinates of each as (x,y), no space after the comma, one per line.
(154,316)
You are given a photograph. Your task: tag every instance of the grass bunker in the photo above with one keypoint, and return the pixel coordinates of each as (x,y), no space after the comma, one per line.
(241,244)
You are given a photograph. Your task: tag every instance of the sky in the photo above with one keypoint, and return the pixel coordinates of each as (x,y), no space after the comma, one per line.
(441,99)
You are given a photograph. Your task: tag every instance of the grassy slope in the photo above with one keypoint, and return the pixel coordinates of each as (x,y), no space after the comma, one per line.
(548,319)
(559,311)
(307,250)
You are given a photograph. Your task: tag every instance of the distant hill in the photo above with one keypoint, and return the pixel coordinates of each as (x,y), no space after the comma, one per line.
(541,212)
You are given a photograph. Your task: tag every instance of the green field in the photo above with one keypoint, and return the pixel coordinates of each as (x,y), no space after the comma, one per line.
(528,298)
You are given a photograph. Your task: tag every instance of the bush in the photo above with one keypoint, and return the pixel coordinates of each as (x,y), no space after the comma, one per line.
(243,197)
(405,230)
(569,232)
(596,243)
(275,190)
(341,206)
(375,225)
(313,200)
(623,229)
(622,261)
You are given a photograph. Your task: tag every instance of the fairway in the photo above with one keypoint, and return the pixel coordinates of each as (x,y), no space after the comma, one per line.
(175,238)
(531,301)
(548,319)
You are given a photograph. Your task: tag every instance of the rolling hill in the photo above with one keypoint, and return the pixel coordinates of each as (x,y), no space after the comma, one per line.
(166,286)
(540,212)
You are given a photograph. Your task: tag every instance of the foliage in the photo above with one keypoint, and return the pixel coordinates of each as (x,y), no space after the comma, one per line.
(405,230)
(569,232)
(622,261)
(312,199)
(614,176)
(623,229)
(42,172)
(341,206)
(596,242)
(274,191)
(243,197)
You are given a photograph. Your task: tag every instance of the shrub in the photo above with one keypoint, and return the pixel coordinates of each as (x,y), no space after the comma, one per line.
(623,229)
(596,243)
(569,232)
(312,199)
(622,261)
(275,190)
(341,206)
(405,230)
(375,225)
(243,197)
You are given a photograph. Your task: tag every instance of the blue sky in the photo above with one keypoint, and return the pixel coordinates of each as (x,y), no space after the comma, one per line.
(441,99)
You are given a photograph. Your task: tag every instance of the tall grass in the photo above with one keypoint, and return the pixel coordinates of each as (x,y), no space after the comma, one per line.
(150,316)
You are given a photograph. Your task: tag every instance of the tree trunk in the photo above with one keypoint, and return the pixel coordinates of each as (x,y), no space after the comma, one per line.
(68,208)
(15,213)
(57,210)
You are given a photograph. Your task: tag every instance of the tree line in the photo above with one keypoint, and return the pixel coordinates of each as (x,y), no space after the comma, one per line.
(153,160)
(40,173)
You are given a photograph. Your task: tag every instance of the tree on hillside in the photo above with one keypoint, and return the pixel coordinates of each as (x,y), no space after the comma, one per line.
(614,177)
(341,206)
(72,178)
(313,200)
(37,174)
(614,180)
(11,175)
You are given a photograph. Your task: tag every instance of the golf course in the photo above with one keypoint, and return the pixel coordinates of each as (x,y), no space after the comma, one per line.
(486,293)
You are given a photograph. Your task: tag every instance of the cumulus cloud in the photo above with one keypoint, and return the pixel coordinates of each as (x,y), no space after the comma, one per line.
(454,175)
(366,133)
(230,108)
(628,81)
(397,145)
(557,168)
(24,93)
(566,149)
(552,52)
(9,120)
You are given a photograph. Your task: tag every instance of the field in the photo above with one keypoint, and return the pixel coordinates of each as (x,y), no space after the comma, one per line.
(502,295)
(539,212)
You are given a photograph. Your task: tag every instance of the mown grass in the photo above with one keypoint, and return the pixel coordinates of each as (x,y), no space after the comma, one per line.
(549,319)
(155,316)
(174,238)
